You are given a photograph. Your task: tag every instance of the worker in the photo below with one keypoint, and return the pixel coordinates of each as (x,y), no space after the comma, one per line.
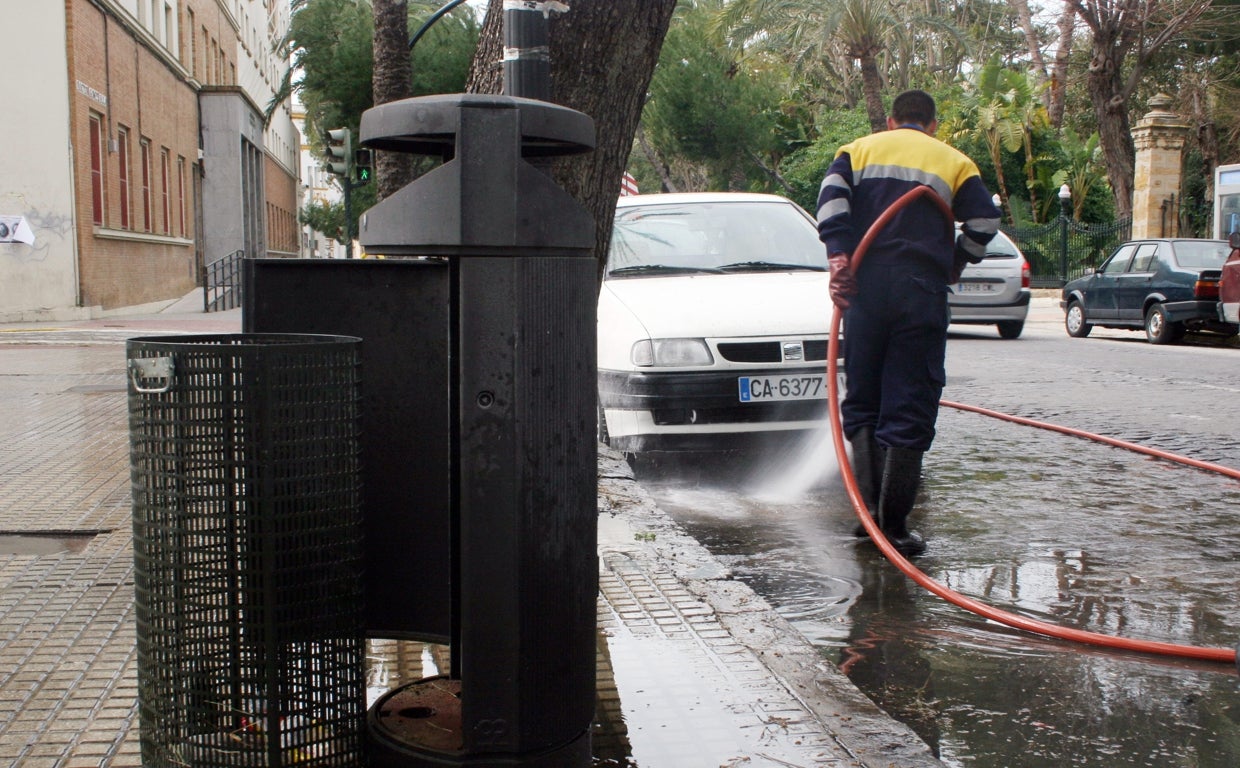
(895,300)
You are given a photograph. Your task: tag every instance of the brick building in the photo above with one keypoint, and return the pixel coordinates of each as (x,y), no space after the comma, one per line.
(141,153)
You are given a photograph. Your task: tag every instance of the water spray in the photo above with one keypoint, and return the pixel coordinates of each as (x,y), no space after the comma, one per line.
(1222,655)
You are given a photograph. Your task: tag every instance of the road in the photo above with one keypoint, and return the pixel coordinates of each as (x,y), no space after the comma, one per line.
(1050,526)
(1176,397)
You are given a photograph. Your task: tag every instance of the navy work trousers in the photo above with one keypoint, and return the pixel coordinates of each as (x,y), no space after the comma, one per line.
(895,343)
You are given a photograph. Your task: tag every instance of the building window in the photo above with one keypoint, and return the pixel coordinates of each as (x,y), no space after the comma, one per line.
(122,151)
(154,20)
(181,195)
(146,185)
(193,42)
(96,169)
(169,29)
(164,184)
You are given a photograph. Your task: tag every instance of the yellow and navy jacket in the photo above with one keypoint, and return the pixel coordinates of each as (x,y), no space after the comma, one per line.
(871,173)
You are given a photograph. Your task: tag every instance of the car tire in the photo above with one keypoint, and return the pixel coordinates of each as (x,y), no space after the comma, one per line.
(1074,320)
(1011,329)
(1160,330)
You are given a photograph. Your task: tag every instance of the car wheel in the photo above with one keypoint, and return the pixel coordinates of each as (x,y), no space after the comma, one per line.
(1074,321)
(1011,329)
(1160,330)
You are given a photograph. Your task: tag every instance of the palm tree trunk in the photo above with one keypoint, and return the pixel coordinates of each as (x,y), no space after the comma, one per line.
(393,80)
(872,85)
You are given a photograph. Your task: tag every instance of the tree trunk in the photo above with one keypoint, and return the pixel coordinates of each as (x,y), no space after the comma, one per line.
(603,54)
(1207,137)
(1127,33)
(657,162)
(393,80)
(995,146)
(1025,19)
(1059,70)
(872,84)
(1106,93)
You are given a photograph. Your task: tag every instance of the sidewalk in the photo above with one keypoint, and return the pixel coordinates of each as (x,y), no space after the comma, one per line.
(694,668)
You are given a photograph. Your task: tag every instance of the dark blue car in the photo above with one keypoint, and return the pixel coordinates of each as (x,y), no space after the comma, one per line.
(1164,286)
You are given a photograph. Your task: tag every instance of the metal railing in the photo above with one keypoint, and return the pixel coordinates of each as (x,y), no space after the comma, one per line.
(1062,250)
(221,283)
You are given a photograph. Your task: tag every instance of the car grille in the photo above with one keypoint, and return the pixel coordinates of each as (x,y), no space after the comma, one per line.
(769,351)
(792,410)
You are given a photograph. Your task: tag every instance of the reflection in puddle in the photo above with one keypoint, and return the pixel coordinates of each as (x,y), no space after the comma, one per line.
(661,702)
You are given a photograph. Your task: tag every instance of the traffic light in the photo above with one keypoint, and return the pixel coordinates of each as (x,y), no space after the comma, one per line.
(362,165)
(340,152)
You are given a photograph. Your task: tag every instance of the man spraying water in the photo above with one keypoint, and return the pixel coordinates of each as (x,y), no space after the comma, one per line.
(895,300)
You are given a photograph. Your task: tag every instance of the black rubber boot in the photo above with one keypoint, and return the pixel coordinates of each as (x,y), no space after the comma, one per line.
(867,465)
(901,478)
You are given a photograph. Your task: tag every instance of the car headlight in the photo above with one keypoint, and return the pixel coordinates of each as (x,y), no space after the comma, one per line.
(671,352)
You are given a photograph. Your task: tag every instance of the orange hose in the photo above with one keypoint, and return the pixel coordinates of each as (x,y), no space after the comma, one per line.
(1223,655)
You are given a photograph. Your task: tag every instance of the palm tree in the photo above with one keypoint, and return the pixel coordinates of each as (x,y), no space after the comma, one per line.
(864,29)
(992,109)
(1085,168)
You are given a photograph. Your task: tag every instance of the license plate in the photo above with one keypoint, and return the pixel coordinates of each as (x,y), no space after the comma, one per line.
(763,389)
(976,288)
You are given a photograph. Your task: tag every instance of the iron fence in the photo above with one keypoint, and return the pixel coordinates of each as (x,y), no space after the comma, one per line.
(221,283)
(1064,249)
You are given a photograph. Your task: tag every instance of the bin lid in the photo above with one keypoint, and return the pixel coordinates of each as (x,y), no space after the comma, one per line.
(427,125)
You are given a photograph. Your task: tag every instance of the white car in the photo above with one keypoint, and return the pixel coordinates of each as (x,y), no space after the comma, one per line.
(713,320)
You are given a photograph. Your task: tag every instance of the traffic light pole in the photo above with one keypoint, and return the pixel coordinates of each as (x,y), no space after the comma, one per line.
(342,162)
(349,221)
(348,216)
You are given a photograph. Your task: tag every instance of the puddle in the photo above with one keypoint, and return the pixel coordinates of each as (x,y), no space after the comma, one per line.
(655,704)
(1074,533)
(44,544)
(98,389)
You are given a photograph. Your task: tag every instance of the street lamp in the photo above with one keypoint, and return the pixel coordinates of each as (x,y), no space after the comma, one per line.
(1065,210)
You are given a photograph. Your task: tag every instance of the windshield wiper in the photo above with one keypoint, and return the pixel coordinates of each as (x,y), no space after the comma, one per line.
(646,269)
(769,266)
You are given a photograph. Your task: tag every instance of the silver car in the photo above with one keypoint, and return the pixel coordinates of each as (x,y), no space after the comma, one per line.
(995,291)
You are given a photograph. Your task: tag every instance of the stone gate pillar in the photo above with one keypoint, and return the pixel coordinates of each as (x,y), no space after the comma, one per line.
(1159,140)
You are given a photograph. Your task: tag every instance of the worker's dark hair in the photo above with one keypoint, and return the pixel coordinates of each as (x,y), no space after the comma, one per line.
(913,107)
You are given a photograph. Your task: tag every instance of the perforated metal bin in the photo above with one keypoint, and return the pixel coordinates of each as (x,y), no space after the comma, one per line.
(247,547)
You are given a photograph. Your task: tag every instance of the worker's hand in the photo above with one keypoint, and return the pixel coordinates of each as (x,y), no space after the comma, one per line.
(843,283)
(961,258)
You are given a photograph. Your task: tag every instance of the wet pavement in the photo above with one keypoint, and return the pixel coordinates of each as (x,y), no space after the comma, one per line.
(1048,526)
(695,669)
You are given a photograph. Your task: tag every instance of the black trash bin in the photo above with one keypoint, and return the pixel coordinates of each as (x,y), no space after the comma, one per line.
(247,546)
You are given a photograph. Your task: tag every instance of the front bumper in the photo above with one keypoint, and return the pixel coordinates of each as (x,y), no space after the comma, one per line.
(699,410)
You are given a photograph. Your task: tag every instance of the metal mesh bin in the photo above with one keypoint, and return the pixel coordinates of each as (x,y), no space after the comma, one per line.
(247,546)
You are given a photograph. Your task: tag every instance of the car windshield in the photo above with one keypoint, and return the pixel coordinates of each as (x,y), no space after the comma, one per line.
(1000,245)
(1201,254)
(712,237)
